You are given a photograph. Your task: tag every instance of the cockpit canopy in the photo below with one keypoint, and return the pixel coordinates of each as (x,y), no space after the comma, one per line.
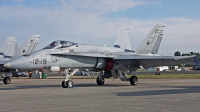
(59,44)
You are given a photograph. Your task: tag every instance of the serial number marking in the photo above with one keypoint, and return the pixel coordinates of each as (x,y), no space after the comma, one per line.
(39,61)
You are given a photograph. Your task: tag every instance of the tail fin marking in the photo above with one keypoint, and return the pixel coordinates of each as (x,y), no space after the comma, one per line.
(152,41)
(29,46)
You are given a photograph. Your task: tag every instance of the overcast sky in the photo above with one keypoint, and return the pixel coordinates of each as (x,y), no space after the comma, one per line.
(98,21)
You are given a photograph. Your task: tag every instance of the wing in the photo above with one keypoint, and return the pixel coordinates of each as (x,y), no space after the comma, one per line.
(92,54)
(87,54)
(153,61)
(133,61)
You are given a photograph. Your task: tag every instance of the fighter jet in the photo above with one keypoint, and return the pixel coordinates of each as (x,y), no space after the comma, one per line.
(69,56)
(10,51)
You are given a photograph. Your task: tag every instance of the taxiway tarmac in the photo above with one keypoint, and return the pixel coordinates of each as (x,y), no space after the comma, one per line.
(150,95)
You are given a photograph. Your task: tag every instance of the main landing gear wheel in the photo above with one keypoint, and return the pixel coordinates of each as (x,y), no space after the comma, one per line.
(7,80)
(133,80)
(67,84)
(100,80)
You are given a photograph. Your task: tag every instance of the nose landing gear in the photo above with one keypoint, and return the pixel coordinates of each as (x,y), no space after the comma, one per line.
(7,80)
(67,83)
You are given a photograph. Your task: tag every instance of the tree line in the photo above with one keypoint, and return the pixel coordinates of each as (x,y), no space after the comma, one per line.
(178,53)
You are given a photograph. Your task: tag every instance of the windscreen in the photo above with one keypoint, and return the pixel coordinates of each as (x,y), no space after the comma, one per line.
(53,45)
(59,44)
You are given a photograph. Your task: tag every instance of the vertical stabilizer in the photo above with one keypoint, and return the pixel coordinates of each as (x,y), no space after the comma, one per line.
(195,60)
(152,42)
(29,46)
(123,39)
(10,46)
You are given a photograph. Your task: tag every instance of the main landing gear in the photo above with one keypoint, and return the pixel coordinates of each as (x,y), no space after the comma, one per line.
(67,83)
(100,79)
(122,75)
(133,80)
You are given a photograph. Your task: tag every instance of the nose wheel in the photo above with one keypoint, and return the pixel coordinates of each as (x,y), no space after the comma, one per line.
(67,84)
(7,80)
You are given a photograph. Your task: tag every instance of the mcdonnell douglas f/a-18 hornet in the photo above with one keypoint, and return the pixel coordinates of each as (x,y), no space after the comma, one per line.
(110,61)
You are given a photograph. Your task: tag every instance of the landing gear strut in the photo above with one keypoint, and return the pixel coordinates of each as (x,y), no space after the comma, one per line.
(133,80)
(117,73)
(67,83)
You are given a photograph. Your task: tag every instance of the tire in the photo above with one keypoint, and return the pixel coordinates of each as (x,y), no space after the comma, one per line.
(67,84)
(133,80)
(100,81)
(7,80)
(70,83)
(64,84)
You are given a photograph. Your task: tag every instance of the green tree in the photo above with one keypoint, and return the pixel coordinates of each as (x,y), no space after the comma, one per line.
(177,53)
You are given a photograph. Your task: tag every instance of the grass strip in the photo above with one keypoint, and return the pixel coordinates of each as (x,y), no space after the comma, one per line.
(170,76)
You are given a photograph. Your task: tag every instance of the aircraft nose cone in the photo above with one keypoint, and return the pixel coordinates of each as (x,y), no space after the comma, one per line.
(7,65)
(18,63)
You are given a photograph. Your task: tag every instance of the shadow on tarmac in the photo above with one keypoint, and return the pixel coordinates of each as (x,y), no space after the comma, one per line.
(95,85)
(180,90)
(58,86)
(31,87)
